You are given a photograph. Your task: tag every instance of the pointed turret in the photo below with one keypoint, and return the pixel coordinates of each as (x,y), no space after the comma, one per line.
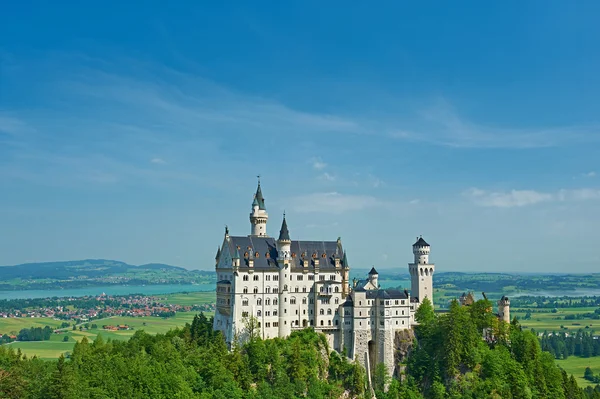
(284,234)
(345,261)
(218,256)
(258,216)
(373,271)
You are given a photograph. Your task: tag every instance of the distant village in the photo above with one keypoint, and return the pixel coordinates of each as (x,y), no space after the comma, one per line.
(84,309)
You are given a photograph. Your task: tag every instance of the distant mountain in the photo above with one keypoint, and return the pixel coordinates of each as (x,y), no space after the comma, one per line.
(87,268)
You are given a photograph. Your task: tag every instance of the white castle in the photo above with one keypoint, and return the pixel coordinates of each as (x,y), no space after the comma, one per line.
(290,285)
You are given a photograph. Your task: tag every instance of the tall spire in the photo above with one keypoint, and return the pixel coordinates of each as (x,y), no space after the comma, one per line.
(284,234)
(259,196)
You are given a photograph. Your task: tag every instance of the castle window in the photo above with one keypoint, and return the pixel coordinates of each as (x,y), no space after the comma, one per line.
(337,300)
(256,254)
(267,325)
(402,321)
(328,322)
(267,313)
(259,324)
(258,312)
(337,289)
(321,311)
(244,314)
(321,322)
(292,301)
(396,302)
(387,302)
(268,277)
(267,301)
(381,313)
(275,324)
(296,312)
(256,290)
(396,322)
(245,290)
(275,301)
(312,322)
(323,256)
(268,290)
(381,302)
(304,311)
(296,289)
(360,323)
(303,289)
(321,288)
(300,278)
(245,302)
(293,254)
(381,323)
(259,302)
(402,302)
(321,278)
(336,322)
(314,255)
(403,313)
(275,290)
(359,303)
(329,311)
(267,255)
(245,255)
(274,313)
(360,313)
(311,277)
(332,277)
(255,277)
(396,313)
(245,278)
(275,278)
(311,301)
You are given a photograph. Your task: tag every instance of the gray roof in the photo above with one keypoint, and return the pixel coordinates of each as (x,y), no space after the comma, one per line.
(421,243)
(224,282)
(373,271)
(386,294)
(284,233)
(259,198)
(267,245)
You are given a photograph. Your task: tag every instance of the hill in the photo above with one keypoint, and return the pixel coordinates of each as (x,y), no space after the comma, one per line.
(91,272)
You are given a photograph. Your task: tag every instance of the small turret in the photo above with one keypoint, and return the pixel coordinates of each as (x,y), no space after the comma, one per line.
(374,277)
(421,251)
(258,215)
(504,309)
(218,256)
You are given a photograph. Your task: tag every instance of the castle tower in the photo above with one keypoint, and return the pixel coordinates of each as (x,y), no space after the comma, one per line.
(421,271)
(374,277)
(504,309)
(283,259)
(259,215)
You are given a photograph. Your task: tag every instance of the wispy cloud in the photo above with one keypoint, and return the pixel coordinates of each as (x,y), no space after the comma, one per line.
(326,176)
(158,161)
(520,198)
(590,174)
(318,164)
(441,124)
(333,202)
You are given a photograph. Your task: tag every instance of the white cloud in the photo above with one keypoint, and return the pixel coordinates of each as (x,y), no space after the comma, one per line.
(440,124)
(590,174)
(333,202)
(327,176)
(520,198)
(318,164)
(158,161)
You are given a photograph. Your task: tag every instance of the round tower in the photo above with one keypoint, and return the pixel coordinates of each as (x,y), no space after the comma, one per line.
(374,277)
(504,309)
(421,271)
(258,215)
(284,257)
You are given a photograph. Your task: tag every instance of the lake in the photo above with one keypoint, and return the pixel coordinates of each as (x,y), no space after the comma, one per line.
(108,290)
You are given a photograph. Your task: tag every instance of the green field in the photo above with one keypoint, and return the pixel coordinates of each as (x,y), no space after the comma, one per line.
(53,348)
(14,325)
(189,298)
(576,366)
(548,321)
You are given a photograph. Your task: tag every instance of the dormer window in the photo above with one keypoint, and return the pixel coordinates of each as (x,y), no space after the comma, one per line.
(293,254)
(314,255)
(324,255)
(256,254)
(267,255)
(246,255)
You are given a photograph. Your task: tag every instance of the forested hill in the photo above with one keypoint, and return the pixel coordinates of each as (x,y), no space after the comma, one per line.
(90,272)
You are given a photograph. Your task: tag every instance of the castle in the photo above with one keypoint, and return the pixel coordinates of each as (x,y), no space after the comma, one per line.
(290,285)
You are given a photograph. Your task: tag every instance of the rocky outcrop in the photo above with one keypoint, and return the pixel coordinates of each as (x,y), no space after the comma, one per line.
(403,343)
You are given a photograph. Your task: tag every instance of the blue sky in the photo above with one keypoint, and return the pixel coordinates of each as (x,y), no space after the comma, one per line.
(135,131)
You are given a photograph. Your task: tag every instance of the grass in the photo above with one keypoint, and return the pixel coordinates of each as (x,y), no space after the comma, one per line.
(576,366)
(548,321)
(189,298)
(53,348)
(14,325)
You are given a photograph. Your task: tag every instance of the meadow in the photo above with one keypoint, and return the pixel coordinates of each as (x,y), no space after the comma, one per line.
(53,348)
(576,366)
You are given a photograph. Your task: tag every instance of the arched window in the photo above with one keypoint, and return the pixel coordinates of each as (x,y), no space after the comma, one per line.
(321,322)
(245,278)
(258,312)
(304,301)
(296,289)
(259,302)
(303,289)
(256,290)
(267,301)
(245,302)
(268,290)
(245,290)
(293,301)
(321,311)
(337,300)
(328,322)
(329,311)
(337,289)
(275,301)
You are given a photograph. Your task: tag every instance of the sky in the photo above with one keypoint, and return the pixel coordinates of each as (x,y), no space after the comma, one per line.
(135,130)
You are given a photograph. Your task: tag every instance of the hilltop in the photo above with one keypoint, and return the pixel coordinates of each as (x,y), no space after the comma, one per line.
(94,272)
